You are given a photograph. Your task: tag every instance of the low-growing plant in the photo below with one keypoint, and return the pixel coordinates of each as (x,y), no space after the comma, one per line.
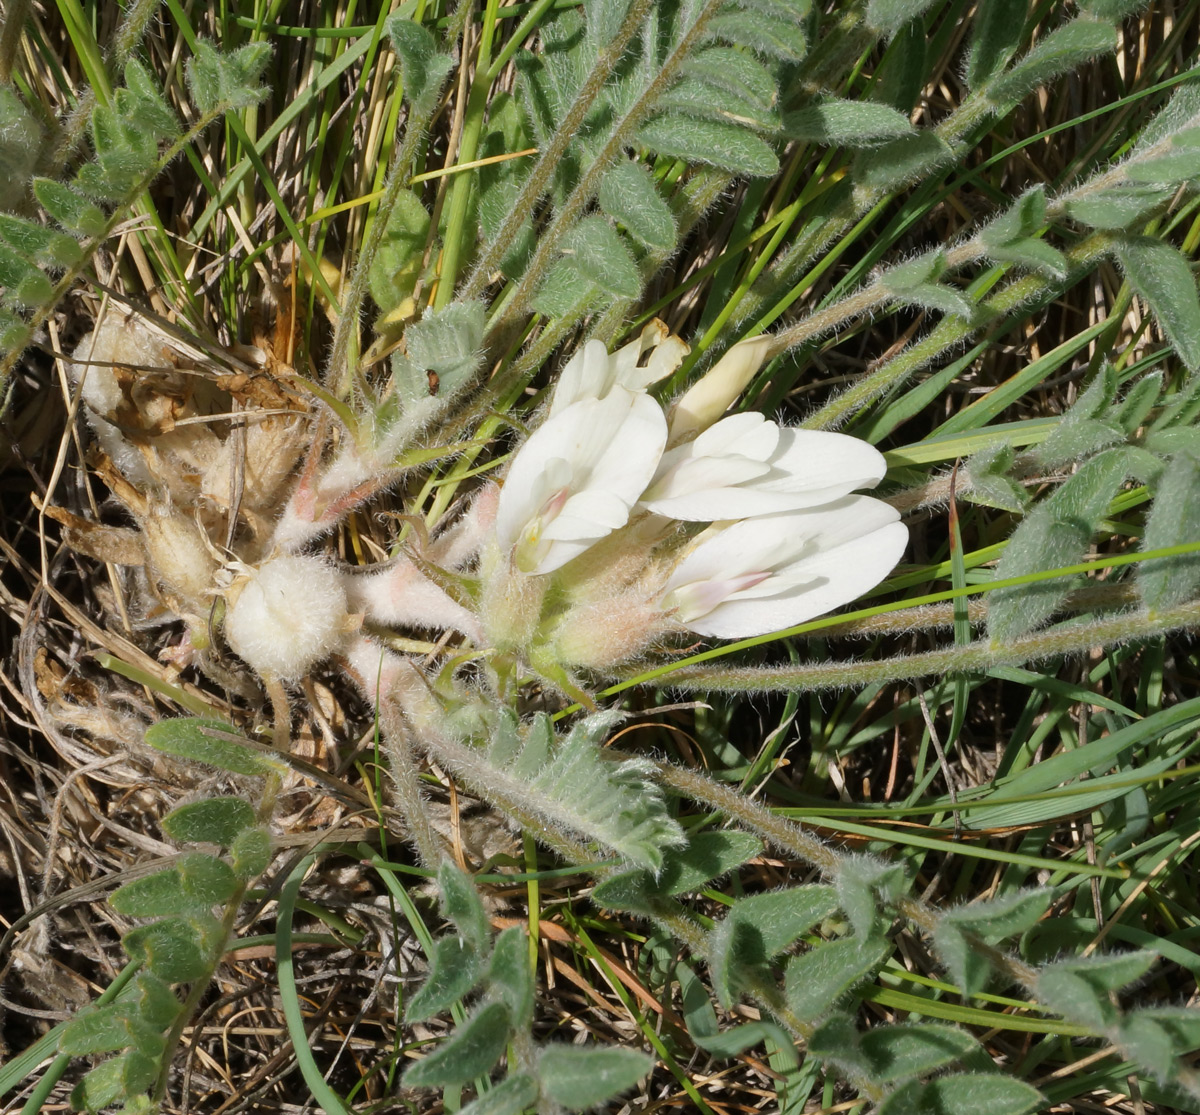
(425,437)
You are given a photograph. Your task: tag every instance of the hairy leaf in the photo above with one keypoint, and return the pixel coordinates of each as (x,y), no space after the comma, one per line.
(1000,917)
(510,977)
(597,250)
(1064,49)
(1174,520)
(210,741)
(579,1077)
(115,1080)
(454,969)
(964,1094)
(463,906)
(221,81)
(723,145)
(995,35)
(425,67)
(212,821)
(1163,278)
(817,979)
(510,1097)
(467,1053)
(836,120)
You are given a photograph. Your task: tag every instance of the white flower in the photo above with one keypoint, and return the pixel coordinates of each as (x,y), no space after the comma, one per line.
(576,478)
(591,373)
(746,465)
(775,571)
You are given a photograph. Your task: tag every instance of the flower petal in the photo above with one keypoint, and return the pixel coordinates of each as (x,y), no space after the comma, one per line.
(575,479)
(708,479)
(765,574)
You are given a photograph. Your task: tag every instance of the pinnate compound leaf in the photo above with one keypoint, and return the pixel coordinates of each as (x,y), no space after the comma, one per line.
(995,35)
(998,918)
(469,1052)
(628,194)
(212,821)
(1163,278)
(1054,534)
(454,969)
(597,250)
(425,67)
(715,143)
(836,120)
(579,1077)
(964,1094)
(510,1097)
(222,81)
(210,741)
(1065,48)
(817,979)
(120,1078)
(759,928)
(1174,520)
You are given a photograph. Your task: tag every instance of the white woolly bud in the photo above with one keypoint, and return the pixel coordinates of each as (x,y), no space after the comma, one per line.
(286,615)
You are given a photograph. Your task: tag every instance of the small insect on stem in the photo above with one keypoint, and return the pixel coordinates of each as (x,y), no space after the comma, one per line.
(434,382)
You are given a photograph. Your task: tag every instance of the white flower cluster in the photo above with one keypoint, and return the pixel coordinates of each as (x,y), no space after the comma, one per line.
(788,540)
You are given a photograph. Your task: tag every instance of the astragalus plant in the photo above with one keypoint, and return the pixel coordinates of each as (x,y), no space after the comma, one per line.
(449,432)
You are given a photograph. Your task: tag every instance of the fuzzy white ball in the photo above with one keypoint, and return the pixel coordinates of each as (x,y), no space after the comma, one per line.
(286,616)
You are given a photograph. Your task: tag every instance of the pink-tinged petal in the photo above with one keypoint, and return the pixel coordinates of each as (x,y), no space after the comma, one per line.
(766,574)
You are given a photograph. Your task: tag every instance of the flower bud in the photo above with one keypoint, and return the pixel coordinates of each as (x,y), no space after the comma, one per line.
(715,392)
(285,616)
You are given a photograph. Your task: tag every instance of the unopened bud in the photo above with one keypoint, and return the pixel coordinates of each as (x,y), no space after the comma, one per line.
(713,394)
(287,615)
